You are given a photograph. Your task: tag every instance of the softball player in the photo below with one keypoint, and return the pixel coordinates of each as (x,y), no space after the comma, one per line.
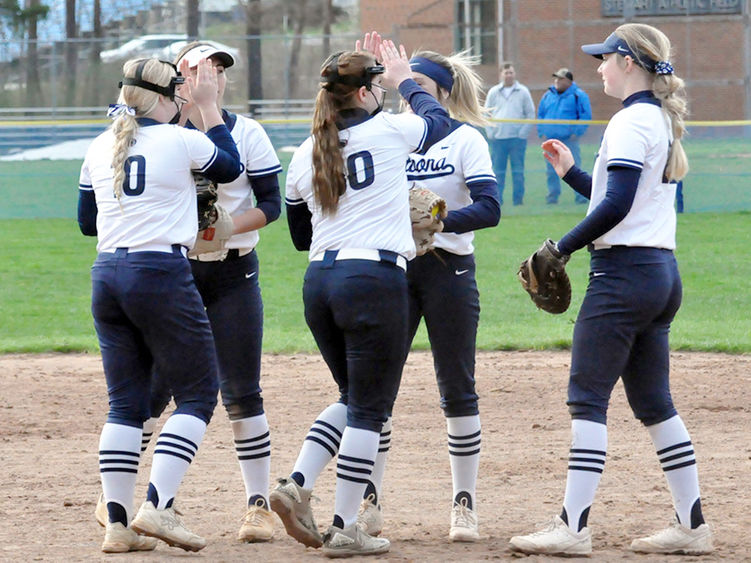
(228,283)
(633,294)
(442,282)
(347,202)
(136,180)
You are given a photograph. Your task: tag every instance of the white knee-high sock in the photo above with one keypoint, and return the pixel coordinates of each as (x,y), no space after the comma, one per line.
(119,454)
(321,444)
(253,448)
(375,484)
(174,451)
(464,438)
(353,468)
(676,454)
(586,461)
(148,432)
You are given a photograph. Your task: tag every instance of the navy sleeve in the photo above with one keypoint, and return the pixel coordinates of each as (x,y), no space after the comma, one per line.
(622,184)
(427,107)
(226,166)
(484,211)
(579,180)
(87,212)
(268,199)
(300,223)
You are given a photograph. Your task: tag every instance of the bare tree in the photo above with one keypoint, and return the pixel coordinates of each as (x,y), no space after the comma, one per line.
(328,17)
(93,91)
(294,54)
(253,43)
(28,17)
(71,53)
(193,18)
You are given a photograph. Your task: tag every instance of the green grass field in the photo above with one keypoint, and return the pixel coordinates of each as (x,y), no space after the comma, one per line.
(718,182)
(44,274)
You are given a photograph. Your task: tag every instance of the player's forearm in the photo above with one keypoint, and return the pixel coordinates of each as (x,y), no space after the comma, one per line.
(252,220)
(427,107)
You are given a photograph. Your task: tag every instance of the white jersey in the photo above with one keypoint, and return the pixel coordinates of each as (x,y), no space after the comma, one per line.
(447,169)
(258,158)
(638,137)
(158,205)
(373,212)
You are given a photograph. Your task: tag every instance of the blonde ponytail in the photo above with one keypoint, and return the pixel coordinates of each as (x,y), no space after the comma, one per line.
(650,42)
(125,126)
(463,103)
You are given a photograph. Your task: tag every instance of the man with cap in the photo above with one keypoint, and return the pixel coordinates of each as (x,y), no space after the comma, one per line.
(508,140)
(563,100)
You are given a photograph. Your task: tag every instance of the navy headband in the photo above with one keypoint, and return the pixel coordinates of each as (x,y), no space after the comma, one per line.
(615,44)
(434,71)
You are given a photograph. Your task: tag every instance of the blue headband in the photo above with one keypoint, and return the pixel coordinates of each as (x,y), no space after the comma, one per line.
(434,71)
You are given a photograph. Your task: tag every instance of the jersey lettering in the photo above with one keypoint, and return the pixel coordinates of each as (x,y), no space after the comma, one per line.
(428,168)
(140,165)
(352,172)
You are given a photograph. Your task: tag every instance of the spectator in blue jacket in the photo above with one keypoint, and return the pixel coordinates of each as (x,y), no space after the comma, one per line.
(563,100)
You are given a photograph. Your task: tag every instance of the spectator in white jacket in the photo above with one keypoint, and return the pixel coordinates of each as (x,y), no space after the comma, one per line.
(508,141)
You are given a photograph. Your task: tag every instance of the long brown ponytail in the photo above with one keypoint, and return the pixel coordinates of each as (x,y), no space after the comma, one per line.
(329,181)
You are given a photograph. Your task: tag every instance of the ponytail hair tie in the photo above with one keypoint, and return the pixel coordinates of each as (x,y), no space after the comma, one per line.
(116,110)
(663,67)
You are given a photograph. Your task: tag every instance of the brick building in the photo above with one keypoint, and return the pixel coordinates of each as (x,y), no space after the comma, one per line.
(711,39)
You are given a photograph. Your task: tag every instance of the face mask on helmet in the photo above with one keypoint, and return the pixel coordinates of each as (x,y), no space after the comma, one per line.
(168,90)
(332,77)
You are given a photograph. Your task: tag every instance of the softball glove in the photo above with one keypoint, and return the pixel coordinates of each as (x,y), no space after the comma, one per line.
(543,275)
(426,211)
(206,195)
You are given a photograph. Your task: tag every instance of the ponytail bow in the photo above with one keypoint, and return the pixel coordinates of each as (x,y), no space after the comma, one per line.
(663,67)
(116,110)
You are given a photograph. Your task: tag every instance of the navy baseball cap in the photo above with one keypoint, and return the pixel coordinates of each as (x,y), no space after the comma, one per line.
(613,44)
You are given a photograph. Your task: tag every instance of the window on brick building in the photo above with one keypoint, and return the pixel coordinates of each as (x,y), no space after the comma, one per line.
(476,28)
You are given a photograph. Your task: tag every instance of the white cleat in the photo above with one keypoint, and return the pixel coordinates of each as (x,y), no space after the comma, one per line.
(464,526)
(166,526)
(119,539)
(257,526)
(352,541)
(292,503)
(555,539)
(676,539)
(370,517)
(100,512)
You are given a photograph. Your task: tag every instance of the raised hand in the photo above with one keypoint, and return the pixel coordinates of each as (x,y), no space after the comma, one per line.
(396,63)
(558,155)
(203,86)
(371,43)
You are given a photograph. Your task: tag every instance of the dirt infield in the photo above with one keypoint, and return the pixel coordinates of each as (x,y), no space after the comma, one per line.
(53,407)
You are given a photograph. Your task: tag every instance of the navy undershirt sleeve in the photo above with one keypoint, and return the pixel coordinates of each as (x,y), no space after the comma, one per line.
(226,167)
(484,211)
(87,212)
(268,199)
(427,107)
(621,190)
(579,180)
(300,223)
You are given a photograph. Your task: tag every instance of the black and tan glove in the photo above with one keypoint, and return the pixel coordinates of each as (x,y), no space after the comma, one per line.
(543,275)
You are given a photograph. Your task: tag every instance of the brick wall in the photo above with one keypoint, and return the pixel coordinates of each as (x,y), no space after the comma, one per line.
(541,36)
